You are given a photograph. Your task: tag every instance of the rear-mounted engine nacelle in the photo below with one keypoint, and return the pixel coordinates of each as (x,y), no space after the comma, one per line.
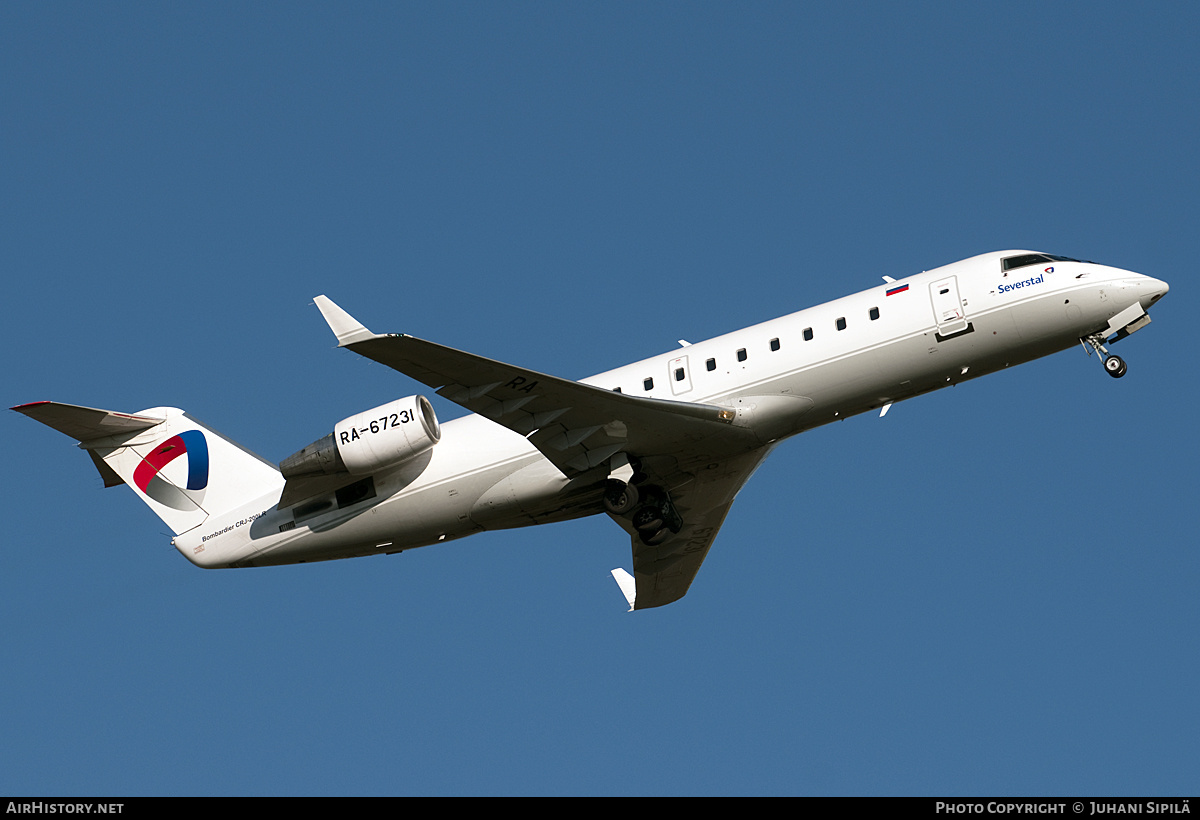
(370,441)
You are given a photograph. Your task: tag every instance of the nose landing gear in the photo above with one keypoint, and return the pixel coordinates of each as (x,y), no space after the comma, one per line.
(1113,365)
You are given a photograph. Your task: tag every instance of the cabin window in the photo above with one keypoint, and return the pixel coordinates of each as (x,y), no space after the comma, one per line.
(648,384)
(808,334)
(742,355)
(841,323)
(711,364)
(774,344)
(679,374)
(874,313)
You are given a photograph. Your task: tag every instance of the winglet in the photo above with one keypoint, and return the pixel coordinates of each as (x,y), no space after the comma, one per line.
(626,583)
(347,329)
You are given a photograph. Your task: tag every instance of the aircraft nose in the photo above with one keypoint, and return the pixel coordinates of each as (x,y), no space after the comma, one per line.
(1153,290)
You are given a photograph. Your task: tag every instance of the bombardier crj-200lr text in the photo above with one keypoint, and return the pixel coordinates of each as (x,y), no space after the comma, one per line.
(662,446)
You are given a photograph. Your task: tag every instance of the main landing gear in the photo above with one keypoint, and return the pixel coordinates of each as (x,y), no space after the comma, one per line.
(648,507)
(1113,365)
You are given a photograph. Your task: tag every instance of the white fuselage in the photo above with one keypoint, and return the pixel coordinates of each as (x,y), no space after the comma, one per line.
(821,364)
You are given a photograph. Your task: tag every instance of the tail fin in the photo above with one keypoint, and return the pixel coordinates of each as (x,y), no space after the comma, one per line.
(183,470)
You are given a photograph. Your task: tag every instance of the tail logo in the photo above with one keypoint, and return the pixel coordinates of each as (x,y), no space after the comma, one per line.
(147,476)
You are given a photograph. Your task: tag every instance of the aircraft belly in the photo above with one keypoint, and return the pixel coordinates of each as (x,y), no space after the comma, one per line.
(528,495)
(405,513)
(415,519)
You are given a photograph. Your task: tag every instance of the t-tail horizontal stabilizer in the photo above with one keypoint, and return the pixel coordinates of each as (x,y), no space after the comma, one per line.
(184,471)
(627,584)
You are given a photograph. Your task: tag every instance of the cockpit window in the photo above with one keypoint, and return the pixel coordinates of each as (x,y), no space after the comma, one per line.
(1013,262)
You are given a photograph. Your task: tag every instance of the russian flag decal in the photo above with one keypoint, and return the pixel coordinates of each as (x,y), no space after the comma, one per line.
(897,289)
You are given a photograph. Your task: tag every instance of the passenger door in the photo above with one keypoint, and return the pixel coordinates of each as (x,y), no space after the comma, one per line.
(948,310)
(679,375)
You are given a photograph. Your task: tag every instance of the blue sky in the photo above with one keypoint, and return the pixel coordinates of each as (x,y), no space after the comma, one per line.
(991,591)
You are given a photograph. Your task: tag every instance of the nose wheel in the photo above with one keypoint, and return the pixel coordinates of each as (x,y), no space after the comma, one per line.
(1113,365)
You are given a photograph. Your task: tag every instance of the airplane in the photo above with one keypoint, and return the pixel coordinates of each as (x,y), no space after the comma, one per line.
(662,446)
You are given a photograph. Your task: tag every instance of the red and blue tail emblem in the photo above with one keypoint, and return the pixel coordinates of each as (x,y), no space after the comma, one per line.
(191,443)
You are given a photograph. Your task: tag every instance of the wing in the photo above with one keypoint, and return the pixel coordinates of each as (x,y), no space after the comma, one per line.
(576,426)
(699,454)
(664,573)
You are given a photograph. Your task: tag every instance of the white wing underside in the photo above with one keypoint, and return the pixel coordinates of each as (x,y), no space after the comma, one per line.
(664,573)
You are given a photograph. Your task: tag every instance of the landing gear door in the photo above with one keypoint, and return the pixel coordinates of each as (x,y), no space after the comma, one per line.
(680,376)
(948,309)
